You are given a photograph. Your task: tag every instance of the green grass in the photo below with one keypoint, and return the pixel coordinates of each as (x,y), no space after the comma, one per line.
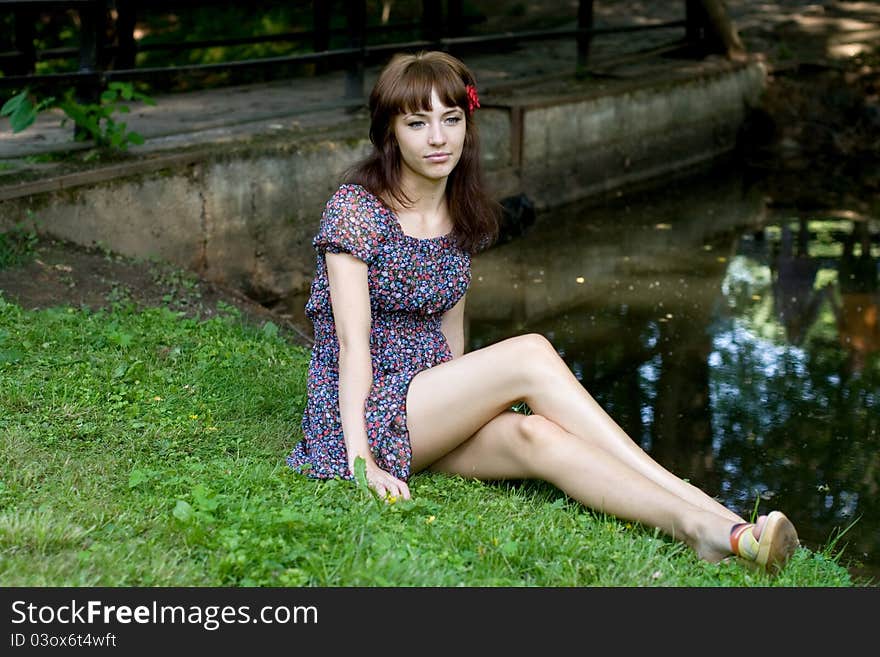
(142,448)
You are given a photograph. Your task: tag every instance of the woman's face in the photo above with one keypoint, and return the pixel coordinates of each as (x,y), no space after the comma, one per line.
(430,141)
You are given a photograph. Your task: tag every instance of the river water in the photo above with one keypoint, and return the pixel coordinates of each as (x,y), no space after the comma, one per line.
(736,341)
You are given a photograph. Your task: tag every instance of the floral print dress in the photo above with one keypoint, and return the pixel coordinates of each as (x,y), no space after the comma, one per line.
(412,282)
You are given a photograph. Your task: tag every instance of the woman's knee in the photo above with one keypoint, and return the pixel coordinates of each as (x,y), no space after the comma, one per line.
(534,356)
(531,345)
(537,436)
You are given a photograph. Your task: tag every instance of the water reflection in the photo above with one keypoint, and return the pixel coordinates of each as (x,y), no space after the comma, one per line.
(739,345)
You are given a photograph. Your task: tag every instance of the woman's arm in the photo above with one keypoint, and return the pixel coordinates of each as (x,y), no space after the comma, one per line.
(350,300)
(452,325)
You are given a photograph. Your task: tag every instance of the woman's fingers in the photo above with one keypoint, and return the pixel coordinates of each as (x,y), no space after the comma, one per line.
(388,486)
(404,490)
(398,488)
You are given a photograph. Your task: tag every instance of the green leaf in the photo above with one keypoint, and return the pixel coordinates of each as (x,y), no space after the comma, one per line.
(204,498)
(46,102)
(135,370)
(108,96)
(135,138)
(183,511)
(137,477)
(360,472)
(125,89)
(21,111)
(120,338)
(509,548)
(23,119)
(15,103)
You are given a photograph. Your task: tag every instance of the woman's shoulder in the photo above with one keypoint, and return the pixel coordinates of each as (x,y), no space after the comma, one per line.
(353,194)
(353,207)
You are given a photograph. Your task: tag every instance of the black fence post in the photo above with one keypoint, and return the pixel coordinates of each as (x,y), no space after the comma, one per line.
(126,19)
(691,25)
(584,40)
(92,33)
(432,20)
(25,32)
(321,30)
(695,21)
(455,17)
(356,17)
(321,24)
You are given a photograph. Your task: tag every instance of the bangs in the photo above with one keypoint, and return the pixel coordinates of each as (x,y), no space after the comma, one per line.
(412,92)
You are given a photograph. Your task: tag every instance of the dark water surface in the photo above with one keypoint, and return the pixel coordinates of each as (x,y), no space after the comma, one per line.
(737,343)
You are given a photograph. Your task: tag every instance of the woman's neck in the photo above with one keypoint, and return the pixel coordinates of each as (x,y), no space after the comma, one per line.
(428,214)
(428,197)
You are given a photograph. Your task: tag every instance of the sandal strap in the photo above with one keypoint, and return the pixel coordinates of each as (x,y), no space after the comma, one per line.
(743,541)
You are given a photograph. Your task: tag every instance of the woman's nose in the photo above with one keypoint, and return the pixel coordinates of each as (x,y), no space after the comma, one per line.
(436,136)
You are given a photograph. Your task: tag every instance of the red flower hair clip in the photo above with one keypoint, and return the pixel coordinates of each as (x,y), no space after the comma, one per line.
(473,98)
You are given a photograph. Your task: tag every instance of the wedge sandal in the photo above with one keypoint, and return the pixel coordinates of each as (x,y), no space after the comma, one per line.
(777,544)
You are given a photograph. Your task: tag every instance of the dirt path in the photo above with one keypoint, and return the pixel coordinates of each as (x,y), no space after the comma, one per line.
(63,274)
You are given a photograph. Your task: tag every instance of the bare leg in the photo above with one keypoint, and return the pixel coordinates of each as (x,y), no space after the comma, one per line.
(517,446)
(449,403)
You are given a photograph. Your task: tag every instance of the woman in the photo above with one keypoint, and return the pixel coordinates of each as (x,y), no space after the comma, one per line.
(389,381)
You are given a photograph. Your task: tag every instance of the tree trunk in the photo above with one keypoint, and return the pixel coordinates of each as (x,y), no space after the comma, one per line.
(722,28)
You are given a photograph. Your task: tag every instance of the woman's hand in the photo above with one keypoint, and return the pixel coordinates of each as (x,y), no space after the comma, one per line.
(386,485)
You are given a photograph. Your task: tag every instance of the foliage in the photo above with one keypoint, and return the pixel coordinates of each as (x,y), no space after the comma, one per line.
(94,121)
(17,246)
(143,448)
(22,109)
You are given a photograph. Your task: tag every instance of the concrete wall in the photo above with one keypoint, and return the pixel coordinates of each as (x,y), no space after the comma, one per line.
(245,216)
(576,147)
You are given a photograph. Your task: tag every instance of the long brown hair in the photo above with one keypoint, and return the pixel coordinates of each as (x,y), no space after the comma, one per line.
(405,85)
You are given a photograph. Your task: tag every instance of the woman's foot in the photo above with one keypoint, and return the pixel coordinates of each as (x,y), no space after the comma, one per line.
(768,544)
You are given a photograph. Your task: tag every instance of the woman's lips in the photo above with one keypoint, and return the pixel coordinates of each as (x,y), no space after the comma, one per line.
(437,157)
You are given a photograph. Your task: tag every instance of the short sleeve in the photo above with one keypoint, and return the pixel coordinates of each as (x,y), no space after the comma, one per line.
(351,223)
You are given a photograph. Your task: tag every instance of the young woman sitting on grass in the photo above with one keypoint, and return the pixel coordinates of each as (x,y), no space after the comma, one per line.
(389,380)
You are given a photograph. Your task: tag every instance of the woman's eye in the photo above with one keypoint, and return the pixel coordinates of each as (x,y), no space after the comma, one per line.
(416,124)
(452,120)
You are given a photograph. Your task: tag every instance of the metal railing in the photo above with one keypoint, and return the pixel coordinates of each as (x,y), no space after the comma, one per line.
(100,62)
